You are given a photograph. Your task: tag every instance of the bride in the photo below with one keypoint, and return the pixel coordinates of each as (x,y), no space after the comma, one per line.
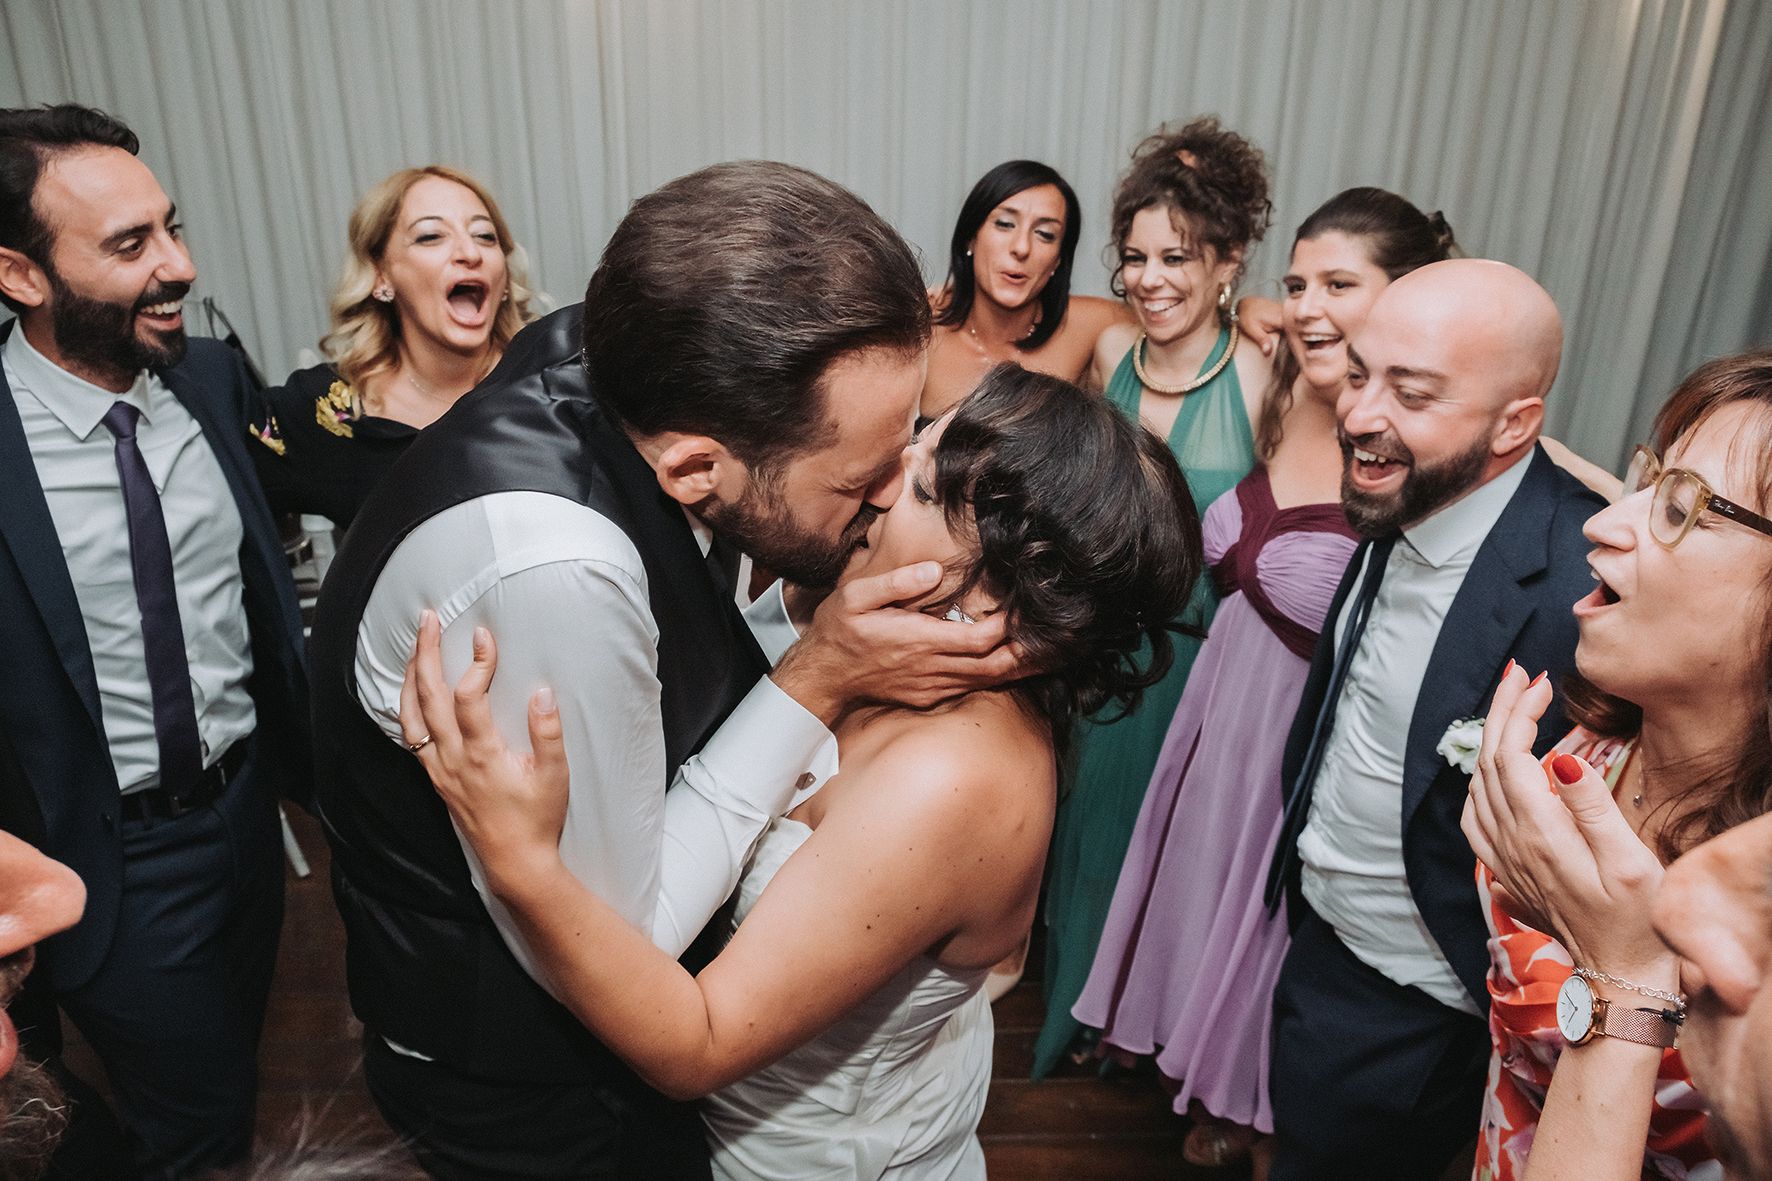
(842,1031)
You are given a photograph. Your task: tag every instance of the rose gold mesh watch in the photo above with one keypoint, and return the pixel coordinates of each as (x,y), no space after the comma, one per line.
(1582,1016)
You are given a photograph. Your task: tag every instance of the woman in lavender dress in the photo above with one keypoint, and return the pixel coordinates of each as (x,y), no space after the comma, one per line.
(1187,962)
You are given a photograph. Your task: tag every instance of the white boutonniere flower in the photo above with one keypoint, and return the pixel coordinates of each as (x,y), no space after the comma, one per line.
(1462,743)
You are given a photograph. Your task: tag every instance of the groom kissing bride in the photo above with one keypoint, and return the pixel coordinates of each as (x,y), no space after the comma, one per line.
(741,378)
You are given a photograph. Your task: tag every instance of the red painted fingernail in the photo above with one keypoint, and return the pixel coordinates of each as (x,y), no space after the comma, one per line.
(1507,670)
(1539,678)
(1568,768)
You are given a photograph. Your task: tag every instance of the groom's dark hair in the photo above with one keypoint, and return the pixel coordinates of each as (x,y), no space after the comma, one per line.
(723,298)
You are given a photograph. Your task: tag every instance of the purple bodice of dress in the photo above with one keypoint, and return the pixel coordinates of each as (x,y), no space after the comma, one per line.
(1252,545)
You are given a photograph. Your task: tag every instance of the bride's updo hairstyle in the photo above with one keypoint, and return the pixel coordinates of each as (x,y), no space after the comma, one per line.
(1085,534)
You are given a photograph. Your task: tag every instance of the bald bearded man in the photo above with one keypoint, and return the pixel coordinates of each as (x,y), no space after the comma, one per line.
(1474,556)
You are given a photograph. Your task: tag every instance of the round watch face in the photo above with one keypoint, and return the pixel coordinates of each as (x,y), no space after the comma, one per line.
(1575,1010)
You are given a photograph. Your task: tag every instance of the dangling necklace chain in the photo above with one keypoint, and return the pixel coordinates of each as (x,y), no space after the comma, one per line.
(1187,387)
(427,391)
(1022,337)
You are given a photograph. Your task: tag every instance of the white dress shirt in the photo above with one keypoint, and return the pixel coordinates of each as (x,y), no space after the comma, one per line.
(564,593)
(1351,849)
(76,463)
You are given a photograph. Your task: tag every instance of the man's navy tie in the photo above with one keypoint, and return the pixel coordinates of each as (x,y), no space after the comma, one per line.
(163,637)
(1298,807)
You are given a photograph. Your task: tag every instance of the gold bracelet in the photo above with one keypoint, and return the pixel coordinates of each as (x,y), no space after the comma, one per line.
(1672,998)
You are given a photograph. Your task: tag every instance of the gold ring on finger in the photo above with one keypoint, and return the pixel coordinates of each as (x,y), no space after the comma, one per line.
(415,747)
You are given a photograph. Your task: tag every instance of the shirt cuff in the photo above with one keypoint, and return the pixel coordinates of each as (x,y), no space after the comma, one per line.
(767,756)
(768,618)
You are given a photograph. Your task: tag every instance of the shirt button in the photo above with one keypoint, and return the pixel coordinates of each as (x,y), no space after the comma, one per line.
(804,782)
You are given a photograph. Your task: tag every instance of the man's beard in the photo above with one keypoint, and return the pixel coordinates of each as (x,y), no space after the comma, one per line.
(33,1114)
(759,525)
(33,1108)
(1425,489)
(100,335)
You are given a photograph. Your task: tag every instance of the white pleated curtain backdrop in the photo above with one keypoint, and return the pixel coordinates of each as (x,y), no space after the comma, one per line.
(1615,149)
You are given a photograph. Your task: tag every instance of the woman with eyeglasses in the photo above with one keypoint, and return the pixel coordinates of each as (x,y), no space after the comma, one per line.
(1673,746)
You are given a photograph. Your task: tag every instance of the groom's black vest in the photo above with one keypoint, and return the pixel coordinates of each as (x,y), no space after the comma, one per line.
(425,964)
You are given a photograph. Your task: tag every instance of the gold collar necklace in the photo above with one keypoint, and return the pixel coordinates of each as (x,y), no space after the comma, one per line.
(1186,387)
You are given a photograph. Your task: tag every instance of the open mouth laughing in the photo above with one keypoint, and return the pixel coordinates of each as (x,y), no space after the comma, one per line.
(467,301)
(163,308)
(1600,597)
(1372,467)
(1160,311)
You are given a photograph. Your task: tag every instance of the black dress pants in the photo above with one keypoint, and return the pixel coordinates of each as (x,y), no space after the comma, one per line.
(468,1129)
(176,1009)
(1370,1078)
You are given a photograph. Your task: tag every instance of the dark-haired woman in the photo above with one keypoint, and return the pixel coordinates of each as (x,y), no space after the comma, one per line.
(842,1032)
(1673,746)
(1189,956)
(1008,292)
(1183,219)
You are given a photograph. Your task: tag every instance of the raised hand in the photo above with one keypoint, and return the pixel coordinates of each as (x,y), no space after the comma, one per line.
(510,806)
(1566,859)
(864,646)
(1259,319)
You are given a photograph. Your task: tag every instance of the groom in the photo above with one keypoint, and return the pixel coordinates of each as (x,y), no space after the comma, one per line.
(742,377)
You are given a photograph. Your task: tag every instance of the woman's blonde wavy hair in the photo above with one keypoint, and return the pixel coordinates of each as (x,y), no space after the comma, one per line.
(366,332)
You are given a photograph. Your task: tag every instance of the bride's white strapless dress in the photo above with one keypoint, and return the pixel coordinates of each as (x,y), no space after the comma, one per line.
(893,1090)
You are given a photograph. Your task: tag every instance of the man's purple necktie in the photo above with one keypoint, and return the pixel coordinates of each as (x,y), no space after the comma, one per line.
(163,637)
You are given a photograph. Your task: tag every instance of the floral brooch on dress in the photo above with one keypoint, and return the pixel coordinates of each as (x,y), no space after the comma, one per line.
(335,409)
(269,434)
(1462,743)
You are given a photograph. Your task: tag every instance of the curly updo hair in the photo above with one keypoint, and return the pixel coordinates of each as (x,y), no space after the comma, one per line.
(1398,238)
(1212,181)
(1085,534)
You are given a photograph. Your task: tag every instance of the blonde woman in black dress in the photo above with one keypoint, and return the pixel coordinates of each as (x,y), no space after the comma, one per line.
(434,289)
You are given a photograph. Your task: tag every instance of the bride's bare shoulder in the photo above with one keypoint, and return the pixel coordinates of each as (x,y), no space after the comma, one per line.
(985,752)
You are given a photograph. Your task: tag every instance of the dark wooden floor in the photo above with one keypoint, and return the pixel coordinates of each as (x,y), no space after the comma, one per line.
(1076,1127)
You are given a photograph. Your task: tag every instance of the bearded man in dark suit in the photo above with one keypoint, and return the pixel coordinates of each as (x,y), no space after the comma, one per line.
(1474,556)
(155,703)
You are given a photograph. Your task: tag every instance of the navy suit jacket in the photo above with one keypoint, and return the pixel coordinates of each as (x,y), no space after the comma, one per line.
(58,789)
(1515,603)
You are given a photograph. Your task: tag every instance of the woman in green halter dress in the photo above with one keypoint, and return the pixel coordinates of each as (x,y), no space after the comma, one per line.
(1183,218)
